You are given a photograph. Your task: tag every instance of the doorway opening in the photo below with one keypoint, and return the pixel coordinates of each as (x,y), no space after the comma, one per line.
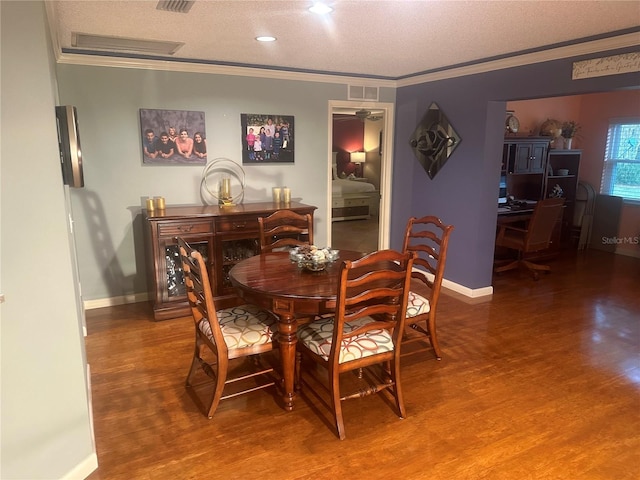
(359,165)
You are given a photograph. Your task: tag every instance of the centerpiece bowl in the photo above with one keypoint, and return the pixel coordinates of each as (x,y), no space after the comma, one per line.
(312,258)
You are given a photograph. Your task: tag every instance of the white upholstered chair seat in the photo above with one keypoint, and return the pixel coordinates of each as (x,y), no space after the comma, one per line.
(417,305)
(317,337)
(243,326)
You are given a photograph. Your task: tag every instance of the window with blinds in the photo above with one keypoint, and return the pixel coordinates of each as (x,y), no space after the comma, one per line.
(621,171)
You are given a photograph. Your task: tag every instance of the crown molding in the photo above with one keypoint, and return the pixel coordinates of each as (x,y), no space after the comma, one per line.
(585,48)
(194,67)
(544,55)
(51,22)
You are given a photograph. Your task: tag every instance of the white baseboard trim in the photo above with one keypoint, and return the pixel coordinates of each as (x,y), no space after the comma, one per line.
(456,287)
(461,289)
(112,301)
(143,297)
(466,291)
(83,469)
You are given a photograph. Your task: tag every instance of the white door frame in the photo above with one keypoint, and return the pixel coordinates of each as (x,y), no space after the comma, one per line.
(386,164)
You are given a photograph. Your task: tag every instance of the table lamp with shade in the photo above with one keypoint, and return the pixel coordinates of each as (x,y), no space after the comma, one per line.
(359,158)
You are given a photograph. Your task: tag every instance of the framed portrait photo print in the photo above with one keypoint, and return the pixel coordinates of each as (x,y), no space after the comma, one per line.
(267,138)
(173,137)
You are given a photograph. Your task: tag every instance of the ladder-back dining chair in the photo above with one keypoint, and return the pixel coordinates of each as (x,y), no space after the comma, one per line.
(224,336)
(283,229)
(429,238)
(365,333)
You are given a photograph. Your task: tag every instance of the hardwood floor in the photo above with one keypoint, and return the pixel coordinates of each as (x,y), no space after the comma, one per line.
(540,381)
(357,235)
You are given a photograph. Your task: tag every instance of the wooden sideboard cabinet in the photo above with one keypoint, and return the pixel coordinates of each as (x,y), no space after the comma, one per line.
(224,236)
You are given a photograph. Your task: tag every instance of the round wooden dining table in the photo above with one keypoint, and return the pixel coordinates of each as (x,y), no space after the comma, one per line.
(274,282)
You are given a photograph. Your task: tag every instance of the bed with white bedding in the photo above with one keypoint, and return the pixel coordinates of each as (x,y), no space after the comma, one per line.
(352,199)
(344,186)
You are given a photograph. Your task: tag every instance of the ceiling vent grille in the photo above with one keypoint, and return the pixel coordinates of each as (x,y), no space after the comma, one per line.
(360,92)
(122,44)
(176,6)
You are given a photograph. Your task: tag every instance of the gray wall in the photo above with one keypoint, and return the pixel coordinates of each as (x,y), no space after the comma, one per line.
(108,233)
(464,191)
(45,414)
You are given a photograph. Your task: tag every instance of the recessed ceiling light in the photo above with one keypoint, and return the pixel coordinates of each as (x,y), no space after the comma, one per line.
(266,38)
(320,8)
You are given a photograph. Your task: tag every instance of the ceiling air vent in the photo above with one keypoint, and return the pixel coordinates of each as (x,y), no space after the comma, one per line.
(177,6)
(123,44)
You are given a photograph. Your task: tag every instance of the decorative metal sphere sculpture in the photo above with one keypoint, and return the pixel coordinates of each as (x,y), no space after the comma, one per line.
(221,177)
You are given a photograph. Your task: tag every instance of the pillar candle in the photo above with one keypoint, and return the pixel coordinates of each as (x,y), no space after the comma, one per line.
(286,194)
(276,194)
(226,187)
(150,207)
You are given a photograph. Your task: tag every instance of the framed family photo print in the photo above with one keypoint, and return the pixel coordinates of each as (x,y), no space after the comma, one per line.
(173,137)
(267,138)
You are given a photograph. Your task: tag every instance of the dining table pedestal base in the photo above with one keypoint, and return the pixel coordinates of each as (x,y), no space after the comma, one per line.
(287,339)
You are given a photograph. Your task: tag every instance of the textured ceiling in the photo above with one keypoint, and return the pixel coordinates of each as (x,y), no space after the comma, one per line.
(370,38)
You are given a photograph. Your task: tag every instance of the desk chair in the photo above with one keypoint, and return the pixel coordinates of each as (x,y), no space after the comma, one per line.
(535,237)
(429,238)
(285,228)
(365,333)
(225,335)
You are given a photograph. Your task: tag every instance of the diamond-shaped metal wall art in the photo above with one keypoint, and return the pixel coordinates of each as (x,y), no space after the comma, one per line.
(434,140)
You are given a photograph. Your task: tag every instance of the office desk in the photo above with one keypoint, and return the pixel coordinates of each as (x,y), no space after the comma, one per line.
(273,281)
(506,215)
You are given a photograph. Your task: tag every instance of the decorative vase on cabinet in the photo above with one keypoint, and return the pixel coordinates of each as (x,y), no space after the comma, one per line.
(567,143)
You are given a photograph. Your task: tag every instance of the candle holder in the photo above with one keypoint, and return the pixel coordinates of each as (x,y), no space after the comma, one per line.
(226,199)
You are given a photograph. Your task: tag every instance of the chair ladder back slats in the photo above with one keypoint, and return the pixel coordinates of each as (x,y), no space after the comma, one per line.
(423,235)
(209,335)
(370,311)
(369,278)
(427,249)
(285,228)
(430,264)
(429,237)
(202,303)
(387,290)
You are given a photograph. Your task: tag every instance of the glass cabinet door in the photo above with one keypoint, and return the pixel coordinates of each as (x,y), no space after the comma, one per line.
(174,287)
(234,250)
